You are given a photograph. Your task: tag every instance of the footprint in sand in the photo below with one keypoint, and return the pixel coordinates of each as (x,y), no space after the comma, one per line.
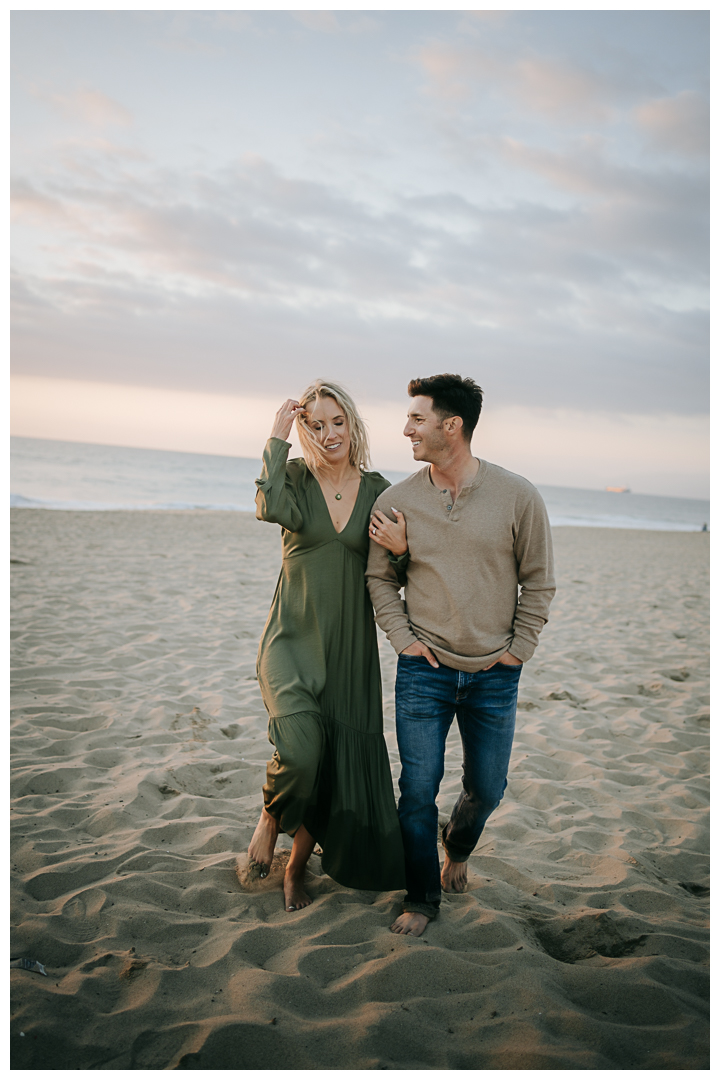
(248,872)
(570,939)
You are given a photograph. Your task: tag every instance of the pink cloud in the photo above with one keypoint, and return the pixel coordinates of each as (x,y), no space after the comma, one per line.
(32,207)
(583,173)
(89,106)
(453,71)
(538,84)
(679,124)
(549,86)
(324,21)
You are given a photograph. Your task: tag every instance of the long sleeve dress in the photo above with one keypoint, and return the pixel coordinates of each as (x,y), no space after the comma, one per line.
(319,674)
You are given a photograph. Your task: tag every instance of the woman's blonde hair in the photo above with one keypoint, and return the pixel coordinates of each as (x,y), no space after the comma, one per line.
(315,456)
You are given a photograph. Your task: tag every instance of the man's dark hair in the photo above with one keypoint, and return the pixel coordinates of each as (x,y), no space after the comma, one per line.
(451,396)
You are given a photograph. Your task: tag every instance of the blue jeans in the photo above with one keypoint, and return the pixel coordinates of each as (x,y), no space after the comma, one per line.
(426,700)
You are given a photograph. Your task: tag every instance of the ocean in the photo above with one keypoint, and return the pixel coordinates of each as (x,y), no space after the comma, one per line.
(54,475)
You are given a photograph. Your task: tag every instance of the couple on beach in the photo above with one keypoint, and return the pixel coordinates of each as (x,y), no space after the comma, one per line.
(470,544)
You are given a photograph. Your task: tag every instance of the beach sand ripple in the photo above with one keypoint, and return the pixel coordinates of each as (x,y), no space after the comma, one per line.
(139,749)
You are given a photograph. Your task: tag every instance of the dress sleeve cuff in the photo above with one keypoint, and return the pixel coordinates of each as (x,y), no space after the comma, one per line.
(274,460)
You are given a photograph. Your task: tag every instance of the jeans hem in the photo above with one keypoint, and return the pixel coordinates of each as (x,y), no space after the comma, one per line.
(453,857)
(428,910)
(449,851)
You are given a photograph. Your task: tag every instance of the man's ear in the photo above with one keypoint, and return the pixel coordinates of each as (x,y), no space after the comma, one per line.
(453,425)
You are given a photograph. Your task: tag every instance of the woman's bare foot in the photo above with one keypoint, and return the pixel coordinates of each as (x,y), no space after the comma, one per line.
(410,922)
(294,889)
(453,875)
(293,882)
(262,845)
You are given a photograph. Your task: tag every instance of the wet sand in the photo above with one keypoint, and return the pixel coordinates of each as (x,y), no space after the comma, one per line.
(139,747)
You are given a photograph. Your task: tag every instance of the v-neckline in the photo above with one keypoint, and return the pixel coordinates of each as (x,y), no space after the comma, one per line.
(339,532)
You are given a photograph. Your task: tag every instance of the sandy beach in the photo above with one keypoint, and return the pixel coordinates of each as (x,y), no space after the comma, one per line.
(139,743)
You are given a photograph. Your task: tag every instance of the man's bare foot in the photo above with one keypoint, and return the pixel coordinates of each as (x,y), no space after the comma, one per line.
(295,895)
(410,922)
(453,876)
(262,845)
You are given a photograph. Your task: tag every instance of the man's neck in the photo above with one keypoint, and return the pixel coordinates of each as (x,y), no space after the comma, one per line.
(455,472)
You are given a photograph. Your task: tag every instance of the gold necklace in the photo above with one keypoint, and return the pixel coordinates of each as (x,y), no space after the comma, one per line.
(338,494)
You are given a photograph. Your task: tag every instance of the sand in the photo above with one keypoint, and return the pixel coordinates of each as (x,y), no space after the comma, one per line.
(139,747)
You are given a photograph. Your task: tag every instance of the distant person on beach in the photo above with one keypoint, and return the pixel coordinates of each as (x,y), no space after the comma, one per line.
(329,778)
(464,537)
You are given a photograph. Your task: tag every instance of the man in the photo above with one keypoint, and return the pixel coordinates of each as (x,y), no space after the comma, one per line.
(461,535)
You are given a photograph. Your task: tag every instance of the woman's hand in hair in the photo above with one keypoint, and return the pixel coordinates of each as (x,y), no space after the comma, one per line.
(387,533)
(284,419)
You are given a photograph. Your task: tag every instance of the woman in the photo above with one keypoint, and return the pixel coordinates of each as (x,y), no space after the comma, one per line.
(329,779)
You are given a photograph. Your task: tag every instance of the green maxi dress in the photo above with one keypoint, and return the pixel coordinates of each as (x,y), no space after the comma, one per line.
(319,675)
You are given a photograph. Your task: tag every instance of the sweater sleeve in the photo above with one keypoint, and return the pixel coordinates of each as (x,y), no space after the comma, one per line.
(534,555)
(384,578)
(275,499)
(399,564)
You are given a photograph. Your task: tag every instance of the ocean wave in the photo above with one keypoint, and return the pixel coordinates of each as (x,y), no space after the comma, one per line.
(607,522)
(22,502)
(557,519)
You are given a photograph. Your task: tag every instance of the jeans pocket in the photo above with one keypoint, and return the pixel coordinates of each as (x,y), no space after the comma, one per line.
(417,695)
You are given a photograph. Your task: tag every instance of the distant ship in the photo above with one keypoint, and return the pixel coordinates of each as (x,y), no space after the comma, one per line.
(619,490)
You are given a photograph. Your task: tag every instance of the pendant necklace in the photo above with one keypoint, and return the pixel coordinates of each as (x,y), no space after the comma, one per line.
(338,494)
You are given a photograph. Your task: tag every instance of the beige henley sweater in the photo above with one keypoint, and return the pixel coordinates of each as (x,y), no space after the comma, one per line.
(466,561)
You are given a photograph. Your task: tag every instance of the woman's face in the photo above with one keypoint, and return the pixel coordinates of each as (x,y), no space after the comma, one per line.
(327,421)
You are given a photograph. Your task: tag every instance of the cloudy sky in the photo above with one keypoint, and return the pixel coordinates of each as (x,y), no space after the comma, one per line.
(213,208)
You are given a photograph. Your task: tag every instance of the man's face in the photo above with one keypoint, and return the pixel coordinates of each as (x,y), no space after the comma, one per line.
(425,430)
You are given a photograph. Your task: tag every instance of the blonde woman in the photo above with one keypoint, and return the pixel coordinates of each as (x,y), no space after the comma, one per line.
(329,778)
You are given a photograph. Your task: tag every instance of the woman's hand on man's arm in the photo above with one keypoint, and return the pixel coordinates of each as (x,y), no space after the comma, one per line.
(389,534)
